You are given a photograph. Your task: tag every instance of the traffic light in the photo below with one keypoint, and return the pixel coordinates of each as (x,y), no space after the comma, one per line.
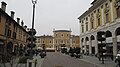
(32,37)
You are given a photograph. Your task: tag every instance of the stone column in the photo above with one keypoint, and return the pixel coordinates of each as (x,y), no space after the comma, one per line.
(85,43)
(103,16)
(114,46)
(111,10)
(90,47)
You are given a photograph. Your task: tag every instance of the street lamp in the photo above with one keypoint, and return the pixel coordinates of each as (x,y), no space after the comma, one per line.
(33,30)
(34,2)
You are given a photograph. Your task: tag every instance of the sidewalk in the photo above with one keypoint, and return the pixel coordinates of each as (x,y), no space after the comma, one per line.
(94,60)
(39,62)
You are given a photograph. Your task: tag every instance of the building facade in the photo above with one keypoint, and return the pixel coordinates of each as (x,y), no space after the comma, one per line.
(103,15)
(61,38)
(45,41)
(75,41)
(12,35)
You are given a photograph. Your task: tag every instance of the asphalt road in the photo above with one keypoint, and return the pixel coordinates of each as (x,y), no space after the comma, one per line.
(56,59)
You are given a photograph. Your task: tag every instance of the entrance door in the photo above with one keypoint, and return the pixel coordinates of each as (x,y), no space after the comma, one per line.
(93,50)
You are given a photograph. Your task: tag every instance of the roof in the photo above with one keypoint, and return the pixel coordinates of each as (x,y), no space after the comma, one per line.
(62,31)
(92,8)
(3,12)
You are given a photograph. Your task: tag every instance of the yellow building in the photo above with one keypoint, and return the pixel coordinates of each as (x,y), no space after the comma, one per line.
(12,34)
(103,15)
(61,38)
(75,41)
(45,40)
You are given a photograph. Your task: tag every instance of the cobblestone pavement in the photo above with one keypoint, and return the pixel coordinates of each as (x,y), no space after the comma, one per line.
(94,60)
(56,59)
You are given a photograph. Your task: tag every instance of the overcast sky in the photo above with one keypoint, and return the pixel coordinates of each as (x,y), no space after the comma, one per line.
(50,14)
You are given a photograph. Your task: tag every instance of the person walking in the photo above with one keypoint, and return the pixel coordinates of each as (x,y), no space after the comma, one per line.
(117,60)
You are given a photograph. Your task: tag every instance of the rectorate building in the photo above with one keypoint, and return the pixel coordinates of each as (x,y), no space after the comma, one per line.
(103,15)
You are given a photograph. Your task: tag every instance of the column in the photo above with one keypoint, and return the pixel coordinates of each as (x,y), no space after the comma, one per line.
(90,46)
(114,46)
(102,17)
(111,10)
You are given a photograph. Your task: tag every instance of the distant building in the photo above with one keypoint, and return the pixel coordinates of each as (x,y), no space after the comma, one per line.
(61,38)
(44,41)
(75,41)
(103,15)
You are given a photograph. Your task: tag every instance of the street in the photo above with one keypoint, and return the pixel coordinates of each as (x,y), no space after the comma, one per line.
(57,59)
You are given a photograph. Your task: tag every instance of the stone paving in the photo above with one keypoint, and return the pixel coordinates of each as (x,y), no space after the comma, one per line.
(56,59)
(94,60)
(60,60)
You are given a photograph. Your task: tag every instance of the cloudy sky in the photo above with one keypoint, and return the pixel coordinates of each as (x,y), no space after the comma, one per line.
(50,14)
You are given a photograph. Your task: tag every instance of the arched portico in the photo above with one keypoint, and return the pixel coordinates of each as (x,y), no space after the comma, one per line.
(92,39)
(109,42)
(9,47)
(87,45)
(82,46)
(117,32)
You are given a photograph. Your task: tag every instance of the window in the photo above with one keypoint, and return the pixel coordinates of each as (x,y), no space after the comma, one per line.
(68,41)
(118,12)
(9,33)
(106,5)
(14,35)
(50,41)
(38,41)
(56,41)
(86,18)
(86,26)
(56,35)
(92,20)
(6,31)
(67,34)
(62,35)
(73,41)
(43,41)
(107,18)
(82,28)
(61,41)
(98,21)
(92,25)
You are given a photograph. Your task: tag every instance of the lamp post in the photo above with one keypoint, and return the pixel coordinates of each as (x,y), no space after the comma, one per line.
(32,34)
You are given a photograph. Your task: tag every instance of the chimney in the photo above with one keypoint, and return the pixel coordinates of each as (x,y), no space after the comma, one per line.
(22,23)
(25,27)
(18,20)
(12,14)
(3,6)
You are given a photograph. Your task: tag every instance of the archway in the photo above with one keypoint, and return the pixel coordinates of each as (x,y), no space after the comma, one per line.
(87,45)
(82,45)
(92,44)
(109,43)
(1,46)
(9,47)
(117,32)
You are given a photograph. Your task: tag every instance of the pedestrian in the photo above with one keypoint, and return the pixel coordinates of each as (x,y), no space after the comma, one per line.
(117,60)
